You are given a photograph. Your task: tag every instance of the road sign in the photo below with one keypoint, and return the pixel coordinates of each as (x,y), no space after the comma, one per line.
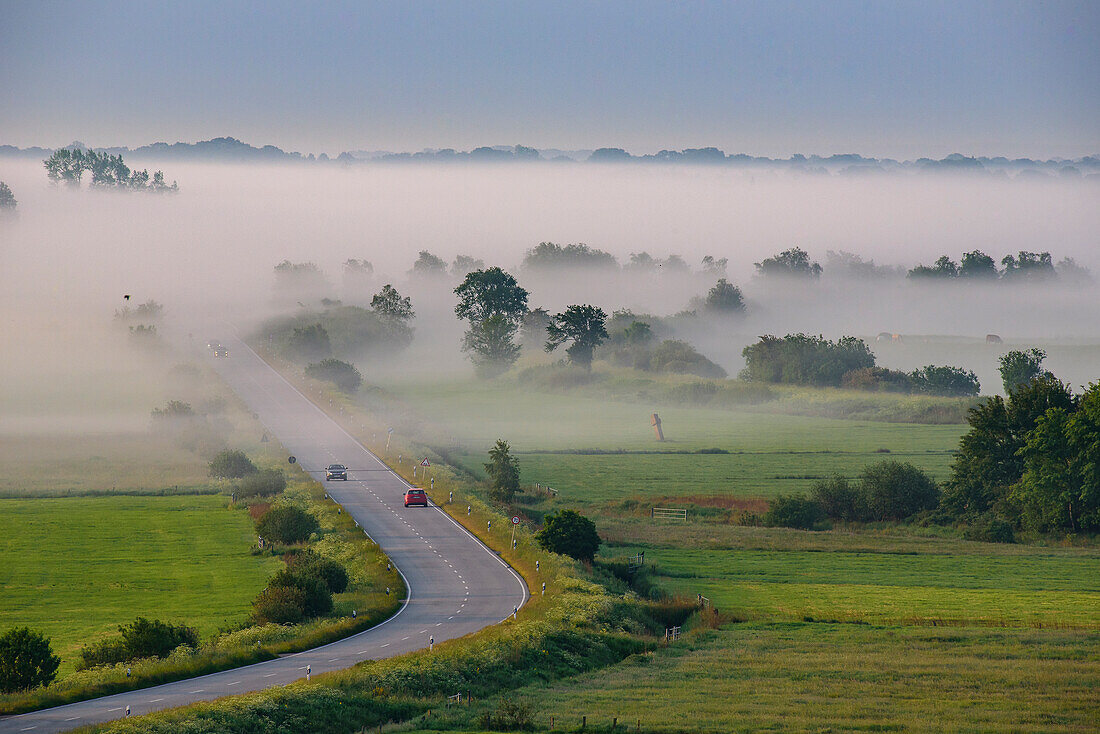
(292,460)
(389,430)
(425,462)
(515,519)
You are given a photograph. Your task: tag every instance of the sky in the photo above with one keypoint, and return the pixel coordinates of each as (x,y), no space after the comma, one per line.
(889,79)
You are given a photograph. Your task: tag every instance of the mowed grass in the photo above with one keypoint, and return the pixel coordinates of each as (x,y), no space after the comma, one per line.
(1044,588)
(825,677)
(76,568)
(769,454)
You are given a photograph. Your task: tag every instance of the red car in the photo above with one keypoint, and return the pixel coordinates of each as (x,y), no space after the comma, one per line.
(416,497)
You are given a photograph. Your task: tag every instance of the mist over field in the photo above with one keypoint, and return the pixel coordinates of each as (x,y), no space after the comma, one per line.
(207,253)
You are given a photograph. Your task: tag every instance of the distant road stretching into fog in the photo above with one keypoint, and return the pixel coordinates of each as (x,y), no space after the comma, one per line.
(456,584)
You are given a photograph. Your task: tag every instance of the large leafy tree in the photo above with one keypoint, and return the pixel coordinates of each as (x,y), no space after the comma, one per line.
(494,304)
(569,533)
(1020,367)
(581,325)
(503,471)
(794,262)
(26,660)
(395,311)
(724,298)
(7,198)
(977,264)
(428,264)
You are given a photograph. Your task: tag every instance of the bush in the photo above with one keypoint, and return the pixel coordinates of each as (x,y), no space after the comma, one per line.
(26,660)
(795,511)
(141,638)
(681,358)
(839,499)
(896,490)
(799,359)
(341,374)
(286,525)
(316,597)
(569,533)
(877,379)
(231,464)
(262,484)
(990,529)
(279,605)
(331,572)
(945,381)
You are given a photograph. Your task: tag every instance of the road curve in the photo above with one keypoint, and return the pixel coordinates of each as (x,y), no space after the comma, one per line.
(456,584)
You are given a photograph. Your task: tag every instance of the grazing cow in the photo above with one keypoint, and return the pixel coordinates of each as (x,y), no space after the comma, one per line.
(992,339)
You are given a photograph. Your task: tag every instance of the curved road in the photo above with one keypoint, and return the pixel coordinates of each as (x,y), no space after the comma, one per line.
(456,584)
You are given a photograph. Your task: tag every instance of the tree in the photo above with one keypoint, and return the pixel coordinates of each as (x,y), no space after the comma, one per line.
(1021,367)
(316,596)
(1033,266)
(341,374)
(945,267)
(724,298)
(144,638)
(503,471)
(26,660)
(108,171)
(839,499)
(464,264)
(569,533)
(794,262)
(279,605)
(977,265)
(231,464)
(265,483)
(310,342)
(679,357)
(287,524)
(331,572)
(495,305)
(801,359)
(895,490)
(795,511)
(428,264)
(584,326)
(353,266)
(533,328)
(7,199)
(715,266)
(549,256)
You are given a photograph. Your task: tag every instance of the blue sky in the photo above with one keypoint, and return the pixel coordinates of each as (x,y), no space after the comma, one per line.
(900,79)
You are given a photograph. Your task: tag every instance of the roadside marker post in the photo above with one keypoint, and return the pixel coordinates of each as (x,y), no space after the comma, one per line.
(515,521)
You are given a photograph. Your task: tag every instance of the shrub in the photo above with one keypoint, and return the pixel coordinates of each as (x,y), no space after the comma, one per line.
(142,638)
(795,511)
(503,471)
(839,499)
(895,490)
(569,533)
(331,572)
(26,660)
(286,525)
(279,605)
(877,379)
(945,381)
(799,359)
(316,597)
(681,358)
(262,484)
(990,529)
(341,374)
(231,464)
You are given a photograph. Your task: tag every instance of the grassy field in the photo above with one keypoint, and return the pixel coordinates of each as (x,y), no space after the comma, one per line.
(768,454)
(823,677)
(1044,587)
(76,568)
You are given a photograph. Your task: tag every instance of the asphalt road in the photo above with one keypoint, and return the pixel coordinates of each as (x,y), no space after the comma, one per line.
(456,584)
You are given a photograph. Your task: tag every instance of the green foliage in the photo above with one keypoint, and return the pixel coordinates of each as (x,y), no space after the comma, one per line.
(108,171)
(877,379)
(1020,367)
(533,328)
(945,267)
(264,483)
(428,264)
(396,311)
(174,409)
(316,595)
(793,511)
(839,499)
(309,342)
(724,298)
(569,533)
(503,471)
(279,605)
(142,638)
(800,359)
(583,326)
(978,265)
(551,256)
(895,490)
(679,357)
(286,524)
(26,660)
(495,305)
(794,262)
(7,198)
(989,528)
(945,381)
(328,570)
(341,374)
(231,464)
(464,264)
(1031,266)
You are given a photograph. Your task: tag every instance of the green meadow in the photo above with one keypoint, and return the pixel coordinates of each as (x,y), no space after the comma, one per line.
(76,568)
